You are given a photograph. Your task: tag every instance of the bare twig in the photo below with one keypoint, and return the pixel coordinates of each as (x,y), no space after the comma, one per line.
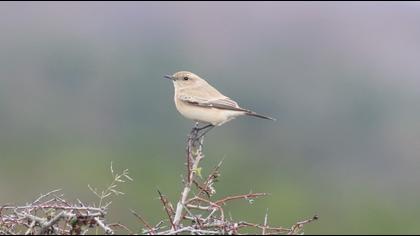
(265,223)
(50,223)
(104,226)
(44,196)
(243,196)
(143,221)
(299,225)
(115,225)
(167,208)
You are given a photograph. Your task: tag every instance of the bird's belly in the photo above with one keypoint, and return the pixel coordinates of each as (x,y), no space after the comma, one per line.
(213,116)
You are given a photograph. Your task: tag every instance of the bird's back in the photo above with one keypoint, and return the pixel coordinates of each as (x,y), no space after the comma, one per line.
(203,90)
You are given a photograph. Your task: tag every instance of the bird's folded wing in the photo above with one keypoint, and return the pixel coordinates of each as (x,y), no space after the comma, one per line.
(221,103)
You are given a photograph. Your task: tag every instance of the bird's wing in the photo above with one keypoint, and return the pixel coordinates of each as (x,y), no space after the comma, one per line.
(221,103)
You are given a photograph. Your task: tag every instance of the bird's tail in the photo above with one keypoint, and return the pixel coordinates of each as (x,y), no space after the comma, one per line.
(251,113)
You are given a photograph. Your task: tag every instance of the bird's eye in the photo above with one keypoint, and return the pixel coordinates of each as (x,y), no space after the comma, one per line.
(186,78)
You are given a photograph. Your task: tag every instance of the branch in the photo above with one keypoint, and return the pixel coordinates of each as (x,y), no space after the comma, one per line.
(167,209)
(192,170)
(243,196)
(103,226)
(145,223)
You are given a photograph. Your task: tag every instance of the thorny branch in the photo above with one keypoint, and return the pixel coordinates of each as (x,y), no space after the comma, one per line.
(49,214)
(199,213)
(196,212)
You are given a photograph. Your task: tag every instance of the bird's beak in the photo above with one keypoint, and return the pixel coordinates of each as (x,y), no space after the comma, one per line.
(168,77)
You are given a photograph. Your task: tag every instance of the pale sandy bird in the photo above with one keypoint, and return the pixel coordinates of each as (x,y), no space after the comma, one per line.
(199,101)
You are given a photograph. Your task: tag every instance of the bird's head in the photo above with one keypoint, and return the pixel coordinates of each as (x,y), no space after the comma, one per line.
(183,79)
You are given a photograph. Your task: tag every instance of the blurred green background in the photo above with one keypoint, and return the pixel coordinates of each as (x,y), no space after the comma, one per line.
(81,85)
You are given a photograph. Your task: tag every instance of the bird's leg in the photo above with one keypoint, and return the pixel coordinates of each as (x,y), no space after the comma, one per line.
(191,144)
(193,134)
(204,127)
(194,131)
(208,128)
(195,137)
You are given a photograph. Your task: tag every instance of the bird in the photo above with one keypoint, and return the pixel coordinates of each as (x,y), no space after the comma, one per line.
(197,100)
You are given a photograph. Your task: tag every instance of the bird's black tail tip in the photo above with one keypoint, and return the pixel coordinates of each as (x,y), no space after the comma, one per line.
(260,116)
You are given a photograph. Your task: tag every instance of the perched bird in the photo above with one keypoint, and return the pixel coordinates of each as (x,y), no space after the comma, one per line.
(199,101)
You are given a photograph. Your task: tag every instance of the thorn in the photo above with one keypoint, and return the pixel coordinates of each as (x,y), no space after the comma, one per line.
(266,217)
(265,222)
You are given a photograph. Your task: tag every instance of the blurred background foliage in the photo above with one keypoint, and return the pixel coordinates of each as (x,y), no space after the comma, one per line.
(81,85)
